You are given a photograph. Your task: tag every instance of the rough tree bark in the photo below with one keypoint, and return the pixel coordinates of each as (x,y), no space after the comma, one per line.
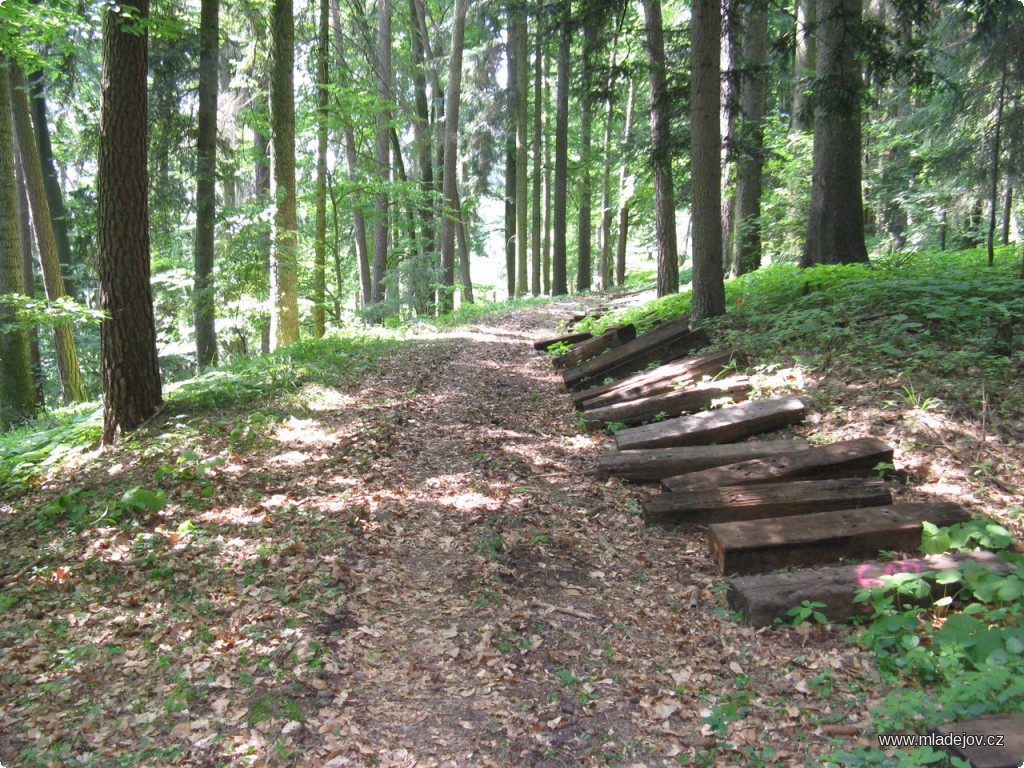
(835,228)
(705,154)
(451,145)
(661,154)
(206,190)
(284,266)
(128,357)
(559,281)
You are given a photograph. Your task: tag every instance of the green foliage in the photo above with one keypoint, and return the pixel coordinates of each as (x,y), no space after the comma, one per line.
(27,453)
(943,664)
(807,610)
(41,313)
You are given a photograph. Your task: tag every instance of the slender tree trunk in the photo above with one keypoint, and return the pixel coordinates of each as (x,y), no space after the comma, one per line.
(625,190)
(53,281)
(706,154)
(835,228)
(559,281)
(352,167)
(28,282)
(729,56)
(661,154)
(996,150)
(320,237)
(1007,214)
(451,147)
(262,186)
(511,170)
(538,150)
(204,291)
(803,63)
(382,154)
(51,182)
(584,234)
(17,400)
(545,257)
(462,239)
(522,56)
(604,271)
(128,357)
(746,246)
(421,125)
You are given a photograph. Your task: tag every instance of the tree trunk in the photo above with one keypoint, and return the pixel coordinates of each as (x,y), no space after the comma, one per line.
(545,257)
(835,228)
(705,153)
(802,119)
(51,182)
(320,236)
(421,124)
(559,281)
(284,267)
(996,150)
(538,144)
(17,400)
(382,155)
(753,85)
(451,146)
(262,185)
(128,357)
(605,268)
(462,239)
(584,227)
(1007,214)
(521,37)
(53,281)
(661,153)
(204,291)
(28,282)
(625,190)
(352,167)
(512,105)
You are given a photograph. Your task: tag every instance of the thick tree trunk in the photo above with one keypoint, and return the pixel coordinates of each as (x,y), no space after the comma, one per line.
(835,229)
(462,240)
(1007,214)
(320,235)
(559,281)
(204,290)
(53,280)
(625,191)
(753,85)
(17,400)
(382,155)
(449,176)
(284,267)
(604,272)
(128,357)
(661,153)
(51,182)
(522,153)
(705,158)
(538,144)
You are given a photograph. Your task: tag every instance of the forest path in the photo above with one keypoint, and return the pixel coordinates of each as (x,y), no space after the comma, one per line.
(420,569)
(504,607)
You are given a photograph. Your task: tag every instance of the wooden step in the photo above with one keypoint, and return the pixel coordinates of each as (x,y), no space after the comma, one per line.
(763,598)
(543,345)
(759,546)
(664,378)
(850,458)
(668,404)
(585,350)
(666,342)
(724,425)
(650,466)
(756,502)
(1008,753)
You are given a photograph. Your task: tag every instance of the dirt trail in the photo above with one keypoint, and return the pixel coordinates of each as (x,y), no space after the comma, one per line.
(423,571)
